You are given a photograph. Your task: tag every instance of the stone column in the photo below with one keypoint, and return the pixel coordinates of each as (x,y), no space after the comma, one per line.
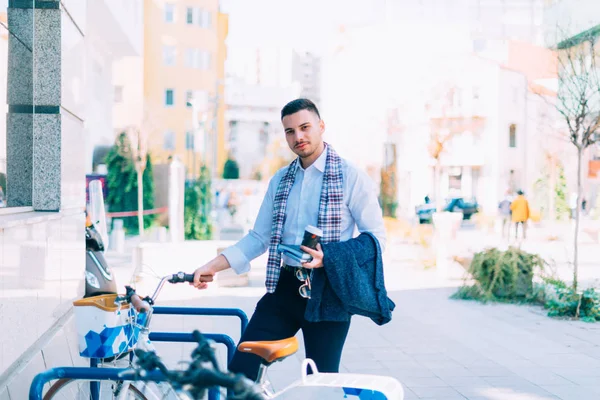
(34,97)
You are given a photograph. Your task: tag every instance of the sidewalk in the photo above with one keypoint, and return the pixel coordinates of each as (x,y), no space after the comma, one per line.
(438,348)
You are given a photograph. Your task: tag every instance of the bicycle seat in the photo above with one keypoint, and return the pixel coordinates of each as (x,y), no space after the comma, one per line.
(271,351)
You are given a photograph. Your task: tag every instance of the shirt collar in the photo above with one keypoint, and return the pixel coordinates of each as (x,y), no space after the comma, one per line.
(319,162)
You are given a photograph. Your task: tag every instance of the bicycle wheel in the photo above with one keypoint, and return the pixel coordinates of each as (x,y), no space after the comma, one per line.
(77,389)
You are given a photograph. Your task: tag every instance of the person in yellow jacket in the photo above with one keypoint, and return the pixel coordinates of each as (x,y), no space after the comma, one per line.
(520,213)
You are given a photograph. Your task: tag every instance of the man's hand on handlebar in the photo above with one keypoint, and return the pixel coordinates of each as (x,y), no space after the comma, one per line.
(202,276)
(206,273)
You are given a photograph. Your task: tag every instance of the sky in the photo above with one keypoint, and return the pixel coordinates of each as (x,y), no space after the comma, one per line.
(302,25)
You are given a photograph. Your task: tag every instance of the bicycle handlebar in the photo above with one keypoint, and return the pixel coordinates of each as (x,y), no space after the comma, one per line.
(181,277)
(140,305)
(136,301)
(144,305)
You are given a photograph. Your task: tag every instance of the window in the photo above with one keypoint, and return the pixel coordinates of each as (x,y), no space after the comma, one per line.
(189,95)
(233,130)
(169,97)
(512,136)
(198,16)
(190,57)
(169,55)
(169,140)
(205,19)
(118,94)
(169,12)
(205,60)
(190,15)
(189,140)
(197,59)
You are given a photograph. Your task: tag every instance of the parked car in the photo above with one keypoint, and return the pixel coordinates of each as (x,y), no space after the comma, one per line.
(456,204)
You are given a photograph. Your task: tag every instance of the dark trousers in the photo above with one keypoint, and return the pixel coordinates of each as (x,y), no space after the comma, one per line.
(280,315)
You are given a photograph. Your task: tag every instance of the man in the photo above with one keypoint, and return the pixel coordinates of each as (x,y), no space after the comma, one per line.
(320,189)
(520,213)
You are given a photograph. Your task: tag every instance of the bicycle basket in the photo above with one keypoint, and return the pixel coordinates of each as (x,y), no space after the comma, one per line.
(105,329)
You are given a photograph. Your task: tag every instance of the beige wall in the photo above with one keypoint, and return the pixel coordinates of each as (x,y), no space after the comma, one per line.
(157,76)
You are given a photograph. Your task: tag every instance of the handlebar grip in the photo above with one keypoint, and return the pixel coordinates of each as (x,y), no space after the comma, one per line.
(140,305)
(183,277)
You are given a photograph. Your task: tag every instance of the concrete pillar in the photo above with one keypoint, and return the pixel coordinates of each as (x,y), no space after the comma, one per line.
(19,121)
(34,98)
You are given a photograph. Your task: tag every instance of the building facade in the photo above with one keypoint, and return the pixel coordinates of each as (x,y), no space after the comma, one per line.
(462,76)
(306,70)
(108,53)
(49,75)
(255,138)
(183,96)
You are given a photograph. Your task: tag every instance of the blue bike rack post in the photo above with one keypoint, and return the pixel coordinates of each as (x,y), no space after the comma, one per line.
(37,386)
(96,374)
(233,312)
(178,337)
(213,393)
(94,385)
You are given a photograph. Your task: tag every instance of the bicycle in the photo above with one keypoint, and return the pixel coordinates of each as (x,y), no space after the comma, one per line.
(116,382)
(138,338)
(204,372)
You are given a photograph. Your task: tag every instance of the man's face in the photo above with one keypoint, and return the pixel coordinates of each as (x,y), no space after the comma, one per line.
(303,132)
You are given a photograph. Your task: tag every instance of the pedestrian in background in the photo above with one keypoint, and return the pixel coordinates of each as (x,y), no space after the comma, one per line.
(520,213)
(505,214)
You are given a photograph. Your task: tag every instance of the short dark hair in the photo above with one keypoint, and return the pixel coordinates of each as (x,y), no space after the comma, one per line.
(298,105)
(520,192)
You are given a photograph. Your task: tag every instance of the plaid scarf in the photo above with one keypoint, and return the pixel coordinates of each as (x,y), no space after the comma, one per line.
(330,210)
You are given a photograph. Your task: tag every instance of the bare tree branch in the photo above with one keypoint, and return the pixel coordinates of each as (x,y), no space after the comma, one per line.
(578,101)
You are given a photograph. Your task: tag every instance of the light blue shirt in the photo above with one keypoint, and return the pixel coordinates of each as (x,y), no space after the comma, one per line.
(360,212)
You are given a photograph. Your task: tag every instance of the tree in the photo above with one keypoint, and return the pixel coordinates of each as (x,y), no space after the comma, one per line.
(3,185)
(561,202)
(198,201)
(139,147)
(231,169)
(578,101)
(551,188)
(122,183)
(389,179)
